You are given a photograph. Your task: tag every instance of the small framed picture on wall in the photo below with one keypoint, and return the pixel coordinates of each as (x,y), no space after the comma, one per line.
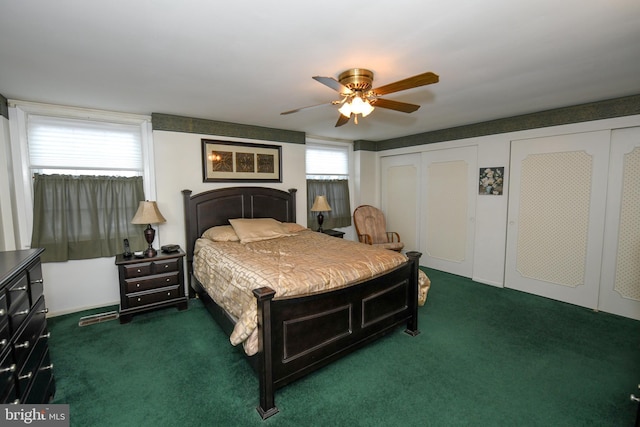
(491,181)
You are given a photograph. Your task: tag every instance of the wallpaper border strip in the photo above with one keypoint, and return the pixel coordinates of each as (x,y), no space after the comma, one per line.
(173,123)
(617,107)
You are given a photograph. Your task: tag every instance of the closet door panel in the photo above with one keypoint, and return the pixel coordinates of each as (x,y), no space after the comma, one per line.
(448,214)
(400,197)
(556,214)
(620,284)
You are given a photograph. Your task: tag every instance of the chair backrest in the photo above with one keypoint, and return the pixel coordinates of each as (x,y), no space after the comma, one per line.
(370,220)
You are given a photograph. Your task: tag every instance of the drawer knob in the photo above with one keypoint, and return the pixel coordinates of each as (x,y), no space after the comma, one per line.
(45,311)
(3,311)
(19,288)
(166,266)
(168,280)
(137,285)
(48,367)
(34,282)
(23,345)
(139,299)
(168,294)
(47,335)
(11,368)
(23,312)
(139,270)
(25,377)
(4,342)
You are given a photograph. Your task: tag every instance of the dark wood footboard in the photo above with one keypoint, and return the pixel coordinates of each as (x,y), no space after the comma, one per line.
(301,335)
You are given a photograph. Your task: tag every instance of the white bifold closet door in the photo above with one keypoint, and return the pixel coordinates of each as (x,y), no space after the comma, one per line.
(557,195)
(450,179)
(620,280)
(400,189)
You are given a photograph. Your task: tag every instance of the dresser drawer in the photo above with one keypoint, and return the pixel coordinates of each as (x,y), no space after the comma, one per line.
(4,309)
(42,386)
(5,335)
(137,270)
(17,291)
(7,375)
(18,312)
(152,282)
(165,266)
(30,333)
(31,368)
(36,284)
(164,294)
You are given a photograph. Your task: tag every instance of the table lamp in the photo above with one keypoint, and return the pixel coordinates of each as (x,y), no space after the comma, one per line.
(320,205)
(148,213)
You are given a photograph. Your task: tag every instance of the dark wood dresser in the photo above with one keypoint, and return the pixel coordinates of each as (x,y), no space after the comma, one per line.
(150,283)
(26,371)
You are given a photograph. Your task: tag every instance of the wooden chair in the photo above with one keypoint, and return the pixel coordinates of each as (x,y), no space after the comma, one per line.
(372,230)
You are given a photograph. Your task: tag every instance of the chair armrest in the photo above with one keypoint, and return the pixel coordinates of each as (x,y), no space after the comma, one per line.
(392,236)
(365,238)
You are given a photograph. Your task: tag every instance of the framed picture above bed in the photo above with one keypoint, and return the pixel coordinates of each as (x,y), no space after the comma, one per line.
(240,161)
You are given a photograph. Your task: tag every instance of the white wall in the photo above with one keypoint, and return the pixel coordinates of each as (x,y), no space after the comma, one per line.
(491,212)
(178,161)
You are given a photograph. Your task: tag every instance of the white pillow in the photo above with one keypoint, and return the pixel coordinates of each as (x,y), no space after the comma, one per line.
(256,229)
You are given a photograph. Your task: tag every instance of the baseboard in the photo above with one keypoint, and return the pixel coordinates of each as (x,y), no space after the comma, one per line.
(488,282)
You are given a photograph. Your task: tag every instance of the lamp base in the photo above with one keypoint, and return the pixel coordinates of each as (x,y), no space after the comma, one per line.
(149,235)
(150,252)
(320,221)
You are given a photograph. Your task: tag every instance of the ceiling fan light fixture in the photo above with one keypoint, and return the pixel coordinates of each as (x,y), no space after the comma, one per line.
(345,110)
(357,105)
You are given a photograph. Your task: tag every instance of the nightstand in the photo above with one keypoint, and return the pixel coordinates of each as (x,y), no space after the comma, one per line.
(151,283)
(334,233)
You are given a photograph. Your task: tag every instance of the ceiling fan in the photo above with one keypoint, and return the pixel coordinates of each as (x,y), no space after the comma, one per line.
(358,97)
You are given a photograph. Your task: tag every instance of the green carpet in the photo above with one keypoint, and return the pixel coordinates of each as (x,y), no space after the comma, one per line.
(486,357)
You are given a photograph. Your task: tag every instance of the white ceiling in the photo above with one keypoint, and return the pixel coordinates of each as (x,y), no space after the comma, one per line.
(247,61)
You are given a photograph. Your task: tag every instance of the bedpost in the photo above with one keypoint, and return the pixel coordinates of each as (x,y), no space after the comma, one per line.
(186,197)
(267,406)
(412,323)
(292,208)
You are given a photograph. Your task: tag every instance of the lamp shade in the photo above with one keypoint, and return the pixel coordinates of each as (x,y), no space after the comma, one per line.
(320,204)
(148,213)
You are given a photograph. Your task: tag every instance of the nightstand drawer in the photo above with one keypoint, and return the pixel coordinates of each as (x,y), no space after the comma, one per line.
(137,270)
(166,265)
(153,282)
(161,295)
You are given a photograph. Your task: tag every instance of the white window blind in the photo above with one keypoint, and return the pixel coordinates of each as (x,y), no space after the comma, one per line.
(74,144)
(327,160)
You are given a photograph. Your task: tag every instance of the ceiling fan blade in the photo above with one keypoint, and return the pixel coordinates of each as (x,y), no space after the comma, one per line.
(342,120)
(394,105)
(304,108)
(333,84)
(408,83)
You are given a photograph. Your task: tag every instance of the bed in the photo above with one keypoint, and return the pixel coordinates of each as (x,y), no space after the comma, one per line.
(299,334)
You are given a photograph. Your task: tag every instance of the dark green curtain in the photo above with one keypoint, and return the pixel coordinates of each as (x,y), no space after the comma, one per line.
(80,217)
(337,194)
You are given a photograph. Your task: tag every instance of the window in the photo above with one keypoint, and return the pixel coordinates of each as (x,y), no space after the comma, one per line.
(327,169)
(87,169)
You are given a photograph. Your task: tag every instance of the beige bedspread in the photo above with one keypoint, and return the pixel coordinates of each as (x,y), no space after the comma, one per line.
(295,265)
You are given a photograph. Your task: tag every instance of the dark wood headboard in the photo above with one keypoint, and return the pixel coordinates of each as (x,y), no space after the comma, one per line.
(215,207)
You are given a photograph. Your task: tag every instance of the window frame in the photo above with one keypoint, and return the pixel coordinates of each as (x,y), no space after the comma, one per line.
(19,112)
(342,145)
